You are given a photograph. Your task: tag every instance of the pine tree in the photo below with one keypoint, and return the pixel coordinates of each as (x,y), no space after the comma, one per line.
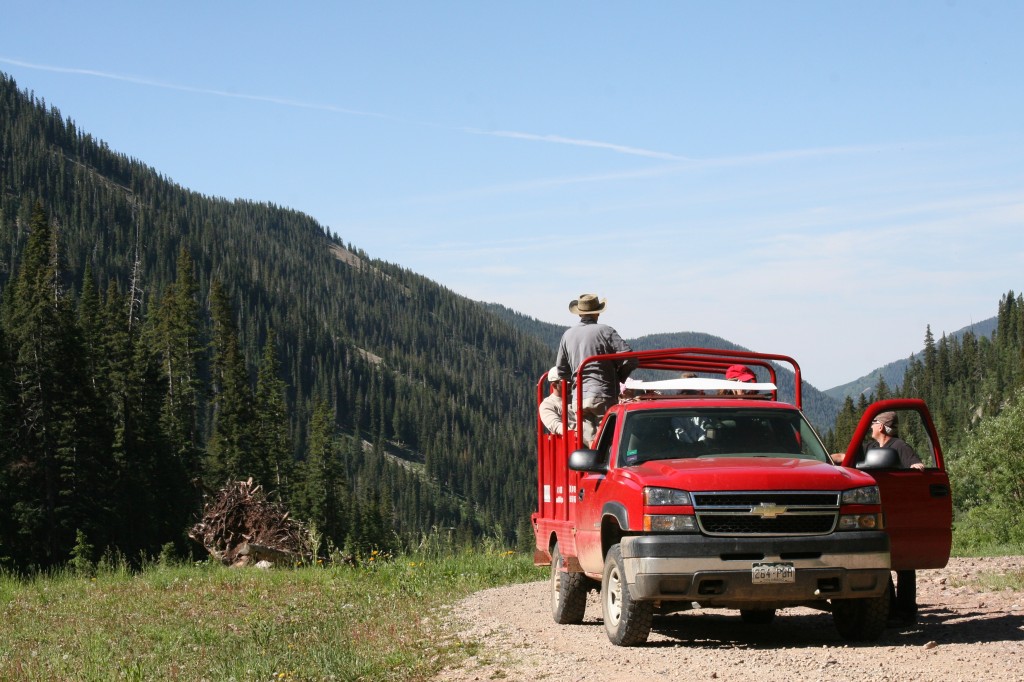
(323,484)
(846,421)
(90,321)
(271,441)
(881,390)
(175,339)
(230,453)
(930,356)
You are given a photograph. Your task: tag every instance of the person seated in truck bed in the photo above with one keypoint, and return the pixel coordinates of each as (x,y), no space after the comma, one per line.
(550,409)
(740,373)
(631,395)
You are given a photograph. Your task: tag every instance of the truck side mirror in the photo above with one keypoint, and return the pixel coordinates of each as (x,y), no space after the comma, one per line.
(880,458)
(587,460)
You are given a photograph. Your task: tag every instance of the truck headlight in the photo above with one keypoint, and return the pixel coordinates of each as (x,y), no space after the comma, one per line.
(660,497)
(669,523)
(866,495)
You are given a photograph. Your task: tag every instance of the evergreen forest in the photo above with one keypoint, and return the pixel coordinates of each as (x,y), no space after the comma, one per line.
(156,343)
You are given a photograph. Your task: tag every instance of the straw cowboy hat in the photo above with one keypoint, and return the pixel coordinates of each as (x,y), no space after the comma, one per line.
(587,304)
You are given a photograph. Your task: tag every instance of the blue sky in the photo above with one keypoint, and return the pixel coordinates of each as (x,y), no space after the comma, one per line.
(819,179)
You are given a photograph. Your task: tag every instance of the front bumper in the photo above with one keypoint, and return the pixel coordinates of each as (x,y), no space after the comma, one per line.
(717,571)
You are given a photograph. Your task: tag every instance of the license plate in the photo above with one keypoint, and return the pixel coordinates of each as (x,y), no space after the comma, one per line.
(763,574)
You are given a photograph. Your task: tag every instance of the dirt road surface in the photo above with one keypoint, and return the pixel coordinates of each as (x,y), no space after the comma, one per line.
(964,632)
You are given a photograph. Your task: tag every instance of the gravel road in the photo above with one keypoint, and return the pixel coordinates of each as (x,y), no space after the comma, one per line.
(964,633)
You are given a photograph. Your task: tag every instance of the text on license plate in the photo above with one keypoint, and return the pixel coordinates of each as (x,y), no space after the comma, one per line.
(772,573)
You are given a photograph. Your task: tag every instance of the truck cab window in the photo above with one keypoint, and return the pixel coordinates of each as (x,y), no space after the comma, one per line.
(604,444)
(717,432)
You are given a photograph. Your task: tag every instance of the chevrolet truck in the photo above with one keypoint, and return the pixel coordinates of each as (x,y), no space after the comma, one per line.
(705,492)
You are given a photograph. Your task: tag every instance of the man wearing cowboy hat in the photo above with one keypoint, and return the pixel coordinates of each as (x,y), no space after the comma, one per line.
(600,380)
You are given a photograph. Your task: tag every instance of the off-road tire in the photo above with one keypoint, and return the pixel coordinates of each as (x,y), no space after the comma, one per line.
(568,592)
(861,620)
(757,616)
(626,622)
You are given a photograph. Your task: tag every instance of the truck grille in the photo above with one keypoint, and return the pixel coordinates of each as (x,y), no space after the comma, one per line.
(766,513)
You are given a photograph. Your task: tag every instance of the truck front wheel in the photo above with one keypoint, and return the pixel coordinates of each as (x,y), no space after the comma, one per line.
(861,620)
(627,622)
(568,592)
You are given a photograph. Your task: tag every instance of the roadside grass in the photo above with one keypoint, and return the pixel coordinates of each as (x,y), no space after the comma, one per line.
(967,546)
(383,620)
(964,549)
(997,582)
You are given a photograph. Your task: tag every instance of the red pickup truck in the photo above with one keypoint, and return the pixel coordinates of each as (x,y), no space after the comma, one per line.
(696,493)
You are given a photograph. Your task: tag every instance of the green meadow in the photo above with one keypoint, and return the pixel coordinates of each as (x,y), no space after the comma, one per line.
(382,620)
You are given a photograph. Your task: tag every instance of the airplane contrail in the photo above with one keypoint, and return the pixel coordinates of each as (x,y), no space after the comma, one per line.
(509,134)
(559,139)
(203,91)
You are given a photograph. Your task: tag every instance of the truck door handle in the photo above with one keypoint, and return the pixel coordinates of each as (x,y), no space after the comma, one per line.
(580,494)
(938,490)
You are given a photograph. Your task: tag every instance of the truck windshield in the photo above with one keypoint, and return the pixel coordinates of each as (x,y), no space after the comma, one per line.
(717,432)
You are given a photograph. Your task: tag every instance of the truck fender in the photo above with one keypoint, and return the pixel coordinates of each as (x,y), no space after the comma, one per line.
(614,520)
(617,510)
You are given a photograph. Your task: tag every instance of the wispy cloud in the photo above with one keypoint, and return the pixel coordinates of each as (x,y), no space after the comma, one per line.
(596,144)
(690,161)
(197,90)
(682,161)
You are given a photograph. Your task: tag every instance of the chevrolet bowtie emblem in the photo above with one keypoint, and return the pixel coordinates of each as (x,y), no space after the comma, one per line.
(768,510)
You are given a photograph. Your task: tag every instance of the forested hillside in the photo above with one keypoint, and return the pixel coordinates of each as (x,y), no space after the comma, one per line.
(154,337)
(892,373)
(549,334)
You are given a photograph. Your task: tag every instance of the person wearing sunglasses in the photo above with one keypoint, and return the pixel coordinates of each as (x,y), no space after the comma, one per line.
(883,431)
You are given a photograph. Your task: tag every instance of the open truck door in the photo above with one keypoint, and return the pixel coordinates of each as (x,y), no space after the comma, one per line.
(917,504)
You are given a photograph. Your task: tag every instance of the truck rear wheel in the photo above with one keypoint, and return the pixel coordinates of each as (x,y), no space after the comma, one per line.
(568,592)
(627,622)
(861,620)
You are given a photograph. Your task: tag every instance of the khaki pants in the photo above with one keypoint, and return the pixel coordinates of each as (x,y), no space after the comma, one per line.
(594,408)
